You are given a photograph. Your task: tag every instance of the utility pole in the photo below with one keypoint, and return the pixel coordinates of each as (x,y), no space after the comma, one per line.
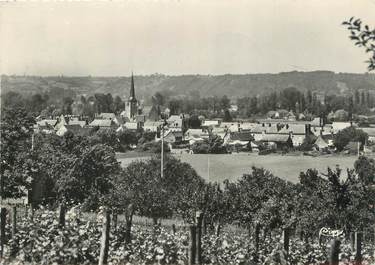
(162,153)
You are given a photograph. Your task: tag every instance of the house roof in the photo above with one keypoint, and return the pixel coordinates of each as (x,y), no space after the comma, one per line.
(211,123)
(321,143)
(278,138)
(293,128)
(47,122)
(76,122)
(268,129)
(102,123)
(174,118)
(241,136)
(107,115)
(196,133)
(369,131)
(131,125)
(338,126)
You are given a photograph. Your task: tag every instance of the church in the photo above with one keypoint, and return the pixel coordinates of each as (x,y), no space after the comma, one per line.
(132,106)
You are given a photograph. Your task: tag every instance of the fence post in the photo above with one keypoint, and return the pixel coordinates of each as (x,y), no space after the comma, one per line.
(286,240)
(173,228)
(3,218)
(14,221)
(334,252)
(199,219)
(104,242)
(358,248)
(192,245)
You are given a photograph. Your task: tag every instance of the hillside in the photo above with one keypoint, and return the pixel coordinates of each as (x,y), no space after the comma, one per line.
(231,85)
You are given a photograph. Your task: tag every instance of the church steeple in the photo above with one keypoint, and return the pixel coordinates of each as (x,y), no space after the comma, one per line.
(132,90)
(131,108)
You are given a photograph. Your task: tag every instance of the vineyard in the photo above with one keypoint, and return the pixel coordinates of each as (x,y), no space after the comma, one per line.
(84,208)
(43,241)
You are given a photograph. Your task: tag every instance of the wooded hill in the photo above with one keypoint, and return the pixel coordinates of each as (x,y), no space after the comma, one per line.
(208,85)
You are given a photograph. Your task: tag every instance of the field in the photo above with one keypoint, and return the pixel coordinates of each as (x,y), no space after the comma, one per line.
(220,167)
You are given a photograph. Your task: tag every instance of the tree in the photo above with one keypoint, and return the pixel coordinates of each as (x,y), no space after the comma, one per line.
(213,145)
(119,105)
(178,192)
(194,122)
(158,99)
(16,130)
(364,37)
(365,168)
(343,137)
(227,116)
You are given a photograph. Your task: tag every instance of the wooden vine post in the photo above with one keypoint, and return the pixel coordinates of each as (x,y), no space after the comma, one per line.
(104,242)
(334,252)
(199,222)
(14,221)
(62,212)
(358,248)
(256,241)
(286,235)
(3,218)
(192,244)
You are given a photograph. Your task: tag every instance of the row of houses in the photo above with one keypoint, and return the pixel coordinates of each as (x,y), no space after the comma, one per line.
(275,133)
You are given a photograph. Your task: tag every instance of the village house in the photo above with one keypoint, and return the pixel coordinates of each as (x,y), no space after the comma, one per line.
(321,143)
(76,129)
(239,140)
(176,121)
(297,132)
(277,141)
(107,124)
(338,126)
(196,135)
(173,136)
(77,122)
(45,126)
(265,128)
(370,132)
(152,126)
(211,123)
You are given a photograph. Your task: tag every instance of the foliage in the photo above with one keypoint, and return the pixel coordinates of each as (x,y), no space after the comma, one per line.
(350,134)
(364,36)
(365,168)
(43,242)
(213,145)
(16,130)
(154,147)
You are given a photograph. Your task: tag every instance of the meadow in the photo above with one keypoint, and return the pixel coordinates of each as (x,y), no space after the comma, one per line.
(218,167)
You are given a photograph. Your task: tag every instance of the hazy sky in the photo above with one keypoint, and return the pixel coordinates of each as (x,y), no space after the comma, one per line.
(180,37)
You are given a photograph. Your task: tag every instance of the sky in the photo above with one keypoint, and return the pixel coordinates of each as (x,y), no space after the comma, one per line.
(180,37)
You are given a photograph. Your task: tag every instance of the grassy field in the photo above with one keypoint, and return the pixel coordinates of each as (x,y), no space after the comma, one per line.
(221,167)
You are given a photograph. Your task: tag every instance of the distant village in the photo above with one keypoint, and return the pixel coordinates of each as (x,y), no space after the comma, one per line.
(281,131)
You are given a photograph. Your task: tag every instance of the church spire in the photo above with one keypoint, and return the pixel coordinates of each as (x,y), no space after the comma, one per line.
(132,90)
